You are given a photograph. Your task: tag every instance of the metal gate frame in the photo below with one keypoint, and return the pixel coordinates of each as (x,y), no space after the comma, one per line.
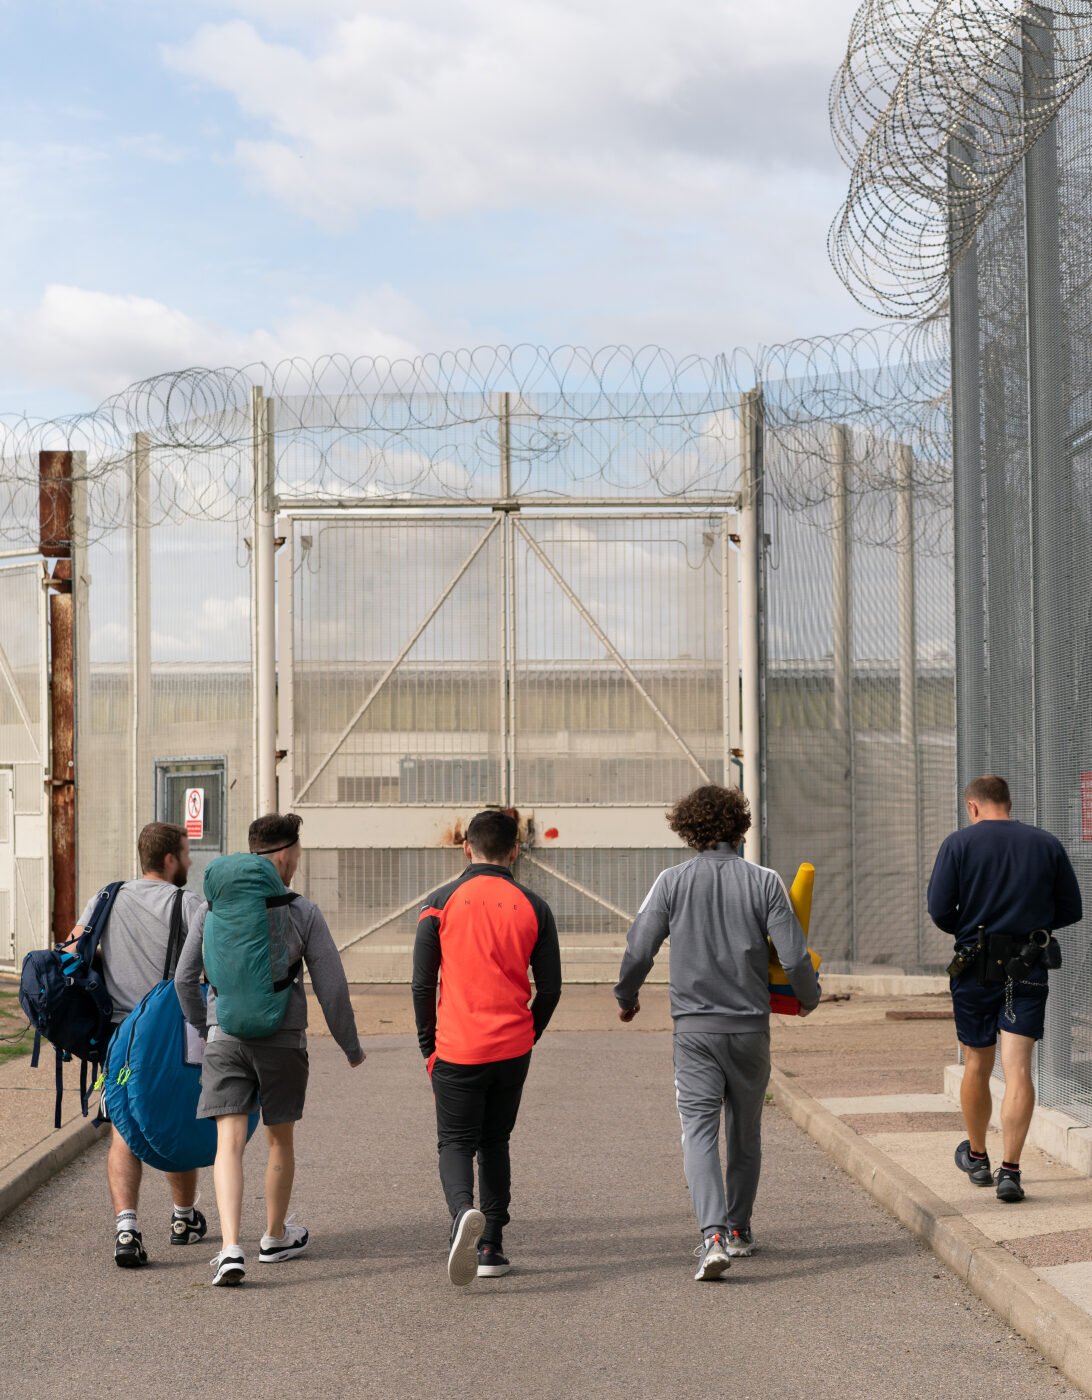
(433,825)
(30,830)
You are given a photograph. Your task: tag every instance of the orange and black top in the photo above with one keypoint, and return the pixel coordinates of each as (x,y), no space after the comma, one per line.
(477,937)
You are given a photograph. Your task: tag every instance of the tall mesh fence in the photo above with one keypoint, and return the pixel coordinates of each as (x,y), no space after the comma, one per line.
(577,655)
(968,128)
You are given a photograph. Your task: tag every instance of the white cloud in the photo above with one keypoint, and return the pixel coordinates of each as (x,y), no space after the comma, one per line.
(94,343)
(494,104)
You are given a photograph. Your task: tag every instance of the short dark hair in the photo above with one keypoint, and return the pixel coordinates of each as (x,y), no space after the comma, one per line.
(988,789)
(274,832)
(156,842)
(709,815)
(492,834)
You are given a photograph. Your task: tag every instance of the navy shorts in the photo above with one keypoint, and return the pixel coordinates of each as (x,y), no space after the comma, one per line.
(980,1011)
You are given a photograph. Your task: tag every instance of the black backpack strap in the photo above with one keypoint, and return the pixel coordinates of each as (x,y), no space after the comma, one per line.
(177,936)
(87,945)
(289,977)
(278,901)
(60,1089)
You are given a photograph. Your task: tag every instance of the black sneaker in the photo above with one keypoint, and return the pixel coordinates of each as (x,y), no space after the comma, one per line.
(129,1251)
(185,1231)
(977,1168)
(492,1263)
(1009,1189)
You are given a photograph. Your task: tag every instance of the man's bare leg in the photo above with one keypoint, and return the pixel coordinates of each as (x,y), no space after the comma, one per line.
(183,1188)
(975,1098)
(227,1174)
(280,1172)
(123,1173)
(1019,1102)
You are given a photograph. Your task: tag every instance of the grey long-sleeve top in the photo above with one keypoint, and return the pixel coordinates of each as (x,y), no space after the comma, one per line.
(717,910)
(323,963)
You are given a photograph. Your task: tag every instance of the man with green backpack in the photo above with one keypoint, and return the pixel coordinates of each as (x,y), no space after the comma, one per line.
(252,944)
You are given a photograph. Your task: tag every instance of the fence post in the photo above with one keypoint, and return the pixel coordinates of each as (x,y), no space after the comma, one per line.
(264,603)
(140,585)
(966,470)
(908,675)
(842,643)
(1051,491)
(55,542)
(752,550)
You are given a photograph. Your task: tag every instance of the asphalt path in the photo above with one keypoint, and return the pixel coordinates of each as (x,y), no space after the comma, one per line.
(840,1301)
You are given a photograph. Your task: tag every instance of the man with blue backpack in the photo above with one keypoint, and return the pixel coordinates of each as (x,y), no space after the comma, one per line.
(252,944)
(133,948)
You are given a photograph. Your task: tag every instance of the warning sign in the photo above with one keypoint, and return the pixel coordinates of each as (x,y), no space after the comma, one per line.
(195,813)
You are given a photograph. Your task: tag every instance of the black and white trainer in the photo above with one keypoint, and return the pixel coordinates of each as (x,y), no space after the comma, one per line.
(188,1230)
(462,1257)
(713,1258)
(977,1168)
(492,1262)
(230,1268)
(294,1241)
(129,1251)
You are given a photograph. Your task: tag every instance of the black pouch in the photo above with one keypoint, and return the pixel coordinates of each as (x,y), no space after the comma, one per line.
(1053,954)
(995,952)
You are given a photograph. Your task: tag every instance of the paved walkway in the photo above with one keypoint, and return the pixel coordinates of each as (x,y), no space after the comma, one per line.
(841,1301)
(883,1079)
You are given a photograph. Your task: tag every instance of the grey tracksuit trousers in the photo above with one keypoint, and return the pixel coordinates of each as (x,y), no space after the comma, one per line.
(714,1073)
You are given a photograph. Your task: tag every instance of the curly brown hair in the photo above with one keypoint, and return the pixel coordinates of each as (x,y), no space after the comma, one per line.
(709,815)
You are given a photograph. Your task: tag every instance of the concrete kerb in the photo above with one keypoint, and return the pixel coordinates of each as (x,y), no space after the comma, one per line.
(44,1160)
(1052,1324)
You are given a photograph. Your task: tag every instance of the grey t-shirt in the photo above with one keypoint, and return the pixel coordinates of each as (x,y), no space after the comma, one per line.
(134,946)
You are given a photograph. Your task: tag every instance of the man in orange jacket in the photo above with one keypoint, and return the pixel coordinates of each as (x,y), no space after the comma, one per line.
(477,936)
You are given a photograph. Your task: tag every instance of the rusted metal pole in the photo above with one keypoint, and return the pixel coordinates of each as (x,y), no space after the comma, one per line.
(55,542)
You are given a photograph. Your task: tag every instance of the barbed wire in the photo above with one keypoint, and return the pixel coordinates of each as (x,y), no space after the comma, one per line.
(933,107)
(616,422)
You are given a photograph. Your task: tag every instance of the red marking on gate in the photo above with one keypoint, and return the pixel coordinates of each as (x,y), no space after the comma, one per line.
(551,833)
(195,813)
(1086,806)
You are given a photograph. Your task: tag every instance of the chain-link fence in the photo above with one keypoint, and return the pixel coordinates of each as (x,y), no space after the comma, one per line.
(512,577)
(969,128)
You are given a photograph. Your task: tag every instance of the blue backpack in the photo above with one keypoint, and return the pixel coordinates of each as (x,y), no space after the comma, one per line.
(65,999)
(151,1080)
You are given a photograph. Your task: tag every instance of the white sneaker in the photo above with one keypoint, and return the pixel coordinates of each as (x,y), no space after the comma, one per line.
(294,1241)
(462,1259)
(230,1267)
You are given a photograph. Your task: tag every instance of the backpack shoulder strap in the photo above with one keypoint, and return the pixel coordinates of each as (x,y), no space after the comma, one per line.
(88,942)
(177,936)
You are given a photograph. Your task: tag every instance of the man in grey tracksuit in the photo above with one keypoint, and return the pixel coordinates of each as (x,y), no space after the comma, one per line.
(718,911)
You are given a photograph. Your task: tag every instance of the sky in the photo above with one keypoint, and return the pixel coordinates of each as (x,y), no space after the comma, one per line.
(218,183)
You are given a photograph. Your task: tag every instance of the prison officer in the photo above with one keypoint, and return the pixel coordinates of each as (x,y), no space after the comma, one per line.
(1000,887)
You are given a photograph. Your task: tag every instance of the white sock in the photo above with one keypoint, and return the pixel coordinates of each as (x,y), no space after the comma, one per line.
(183,1212)
(126,1220)
(229,1249)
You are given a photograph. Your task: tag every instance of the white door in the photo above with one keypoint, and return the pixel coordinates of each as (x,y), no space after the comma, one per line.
(24,763)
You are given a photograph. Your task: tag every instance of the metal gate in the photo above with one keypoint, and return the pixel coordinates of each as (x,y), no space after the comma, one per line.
(24,762)
(579,666)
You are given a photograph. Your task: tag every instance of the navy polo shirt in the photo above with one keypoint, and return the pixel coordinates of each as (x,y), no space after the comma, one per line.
(1003,876)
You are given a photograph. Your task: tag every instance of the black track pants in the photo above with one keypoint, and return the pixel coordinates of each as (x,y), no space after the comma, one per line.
(476,1108)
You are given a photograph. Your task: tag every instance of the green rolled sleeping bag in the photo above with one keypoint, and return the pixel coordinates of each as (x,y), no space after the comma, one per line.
(252,953)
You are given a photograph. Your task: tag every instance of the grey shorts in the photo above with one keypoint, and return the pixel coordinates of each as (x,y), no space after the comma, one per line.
(237,1076)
